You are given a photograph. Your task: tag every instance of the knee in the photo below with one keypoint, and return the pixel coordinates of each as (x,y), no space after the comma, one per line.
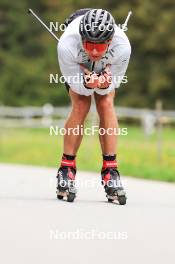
(81,107)
(105,105)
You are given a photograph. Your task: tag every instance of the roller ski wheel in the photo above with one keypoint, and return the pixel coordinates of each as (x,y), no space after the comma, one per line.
(117,195)
(71,197)
(112,183)
(110,200)
(68,195)
(122,199)
(59,197)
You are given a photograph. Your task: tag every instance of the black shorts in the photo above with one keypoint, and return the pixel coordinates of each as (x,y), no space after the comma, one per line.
(67,86)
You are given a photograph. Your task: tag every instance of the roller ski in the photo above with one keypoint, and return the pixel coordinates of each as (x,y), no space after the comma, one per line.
(112,183)
(66,180)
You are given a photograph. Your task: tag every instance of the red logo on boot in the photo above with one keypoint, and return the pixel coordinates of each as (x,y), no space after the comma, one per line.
(110,164)
(107,177)
(70,174)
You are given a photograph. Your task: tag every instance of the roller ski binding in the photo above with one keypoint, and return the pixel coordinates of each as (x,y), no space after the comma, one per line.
(112,183)
(66,180)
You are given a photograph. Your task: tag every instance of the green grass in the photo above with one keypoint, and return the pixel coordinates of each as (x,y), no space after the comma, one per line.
(137,154)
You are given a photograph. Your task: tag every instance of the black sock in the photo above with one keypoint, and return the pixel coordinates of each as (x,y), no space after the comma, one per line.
(68,157)
(109,157)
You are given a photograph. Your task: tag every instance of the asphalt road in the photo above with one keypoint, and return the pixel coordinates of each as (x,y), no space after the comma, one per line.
(35,227)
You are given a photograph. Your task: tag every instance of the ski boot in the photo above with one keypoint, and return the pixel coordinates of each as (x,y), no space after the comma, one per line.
(66,180)
(112,183)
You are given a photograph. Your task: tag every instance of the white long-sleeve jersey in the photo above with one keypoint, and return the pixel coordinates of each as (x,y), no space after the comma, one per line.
(71,54)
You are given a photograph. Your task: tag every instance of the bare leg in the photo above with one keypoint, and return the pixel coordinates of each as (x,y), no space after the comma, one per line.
(80,108)
(108,119)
